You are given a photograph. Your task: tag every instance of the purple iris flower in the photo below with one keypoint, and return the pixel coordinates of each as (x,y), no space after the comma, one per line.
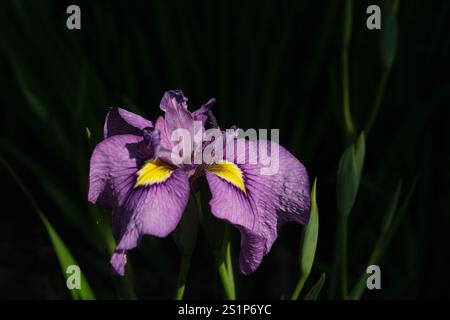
(132,174)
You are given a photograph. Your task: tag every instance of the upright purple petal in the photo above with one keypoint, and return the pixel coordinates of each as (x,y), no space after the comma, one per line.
(177,116)
(120,121)
(153,210)
(267,203)
(113,168)
(165,139)
(204,112)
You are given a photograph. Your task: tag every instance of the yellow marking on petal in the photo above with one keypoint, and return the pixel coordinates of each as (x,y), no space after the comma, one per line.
(154,171)
(229,172)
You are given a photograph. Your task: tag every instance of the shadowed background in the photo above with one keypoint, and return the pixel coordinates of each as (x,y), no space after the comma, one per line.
(269,65)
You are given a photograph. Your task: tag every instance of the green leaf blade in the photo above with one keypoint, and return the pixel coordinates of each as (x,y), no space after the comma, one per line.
(388,38)
(64,255)
(311,234)
(66,259)
(349,175)
(308,244)
(313,294)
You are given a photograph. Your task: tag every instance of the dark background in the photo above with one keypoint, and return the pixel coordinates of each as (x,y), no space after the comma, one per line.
(269,64)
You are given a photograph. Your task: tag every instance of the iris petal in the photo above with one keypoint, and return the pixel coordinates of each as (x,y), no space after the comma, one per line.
(177,116)
(113,168)
(269,202)
(120,121)
(154,209)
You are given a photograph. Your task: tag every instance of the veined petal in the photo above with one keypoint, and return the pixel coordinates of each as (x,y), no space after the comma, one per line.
(120,121)
(269,200)
(113,167)
(152,209)
(204,112)
(118,262)
(177,116)
(165,139)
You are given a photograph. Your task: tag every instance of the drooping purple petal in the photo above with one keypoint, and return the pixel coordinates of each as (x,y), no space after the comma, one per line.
(120,121)
(269,200)
(154,210)
(118,262)
(113,167)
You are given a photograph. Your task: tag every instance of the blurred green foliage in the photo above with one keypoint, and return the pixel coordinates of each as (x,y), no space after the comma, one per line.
(269,65)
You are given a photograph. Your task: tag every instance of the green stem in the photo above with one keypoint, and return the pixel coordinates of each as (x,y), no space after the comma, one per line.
(381,86)
(348,122)
(222,257)
(299,286)
(182,276)
(350,130)
(385,238)
(225,277)
(378,99)
(342,242)
(347,29)
(360,285)
(225,265)
(229,261)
